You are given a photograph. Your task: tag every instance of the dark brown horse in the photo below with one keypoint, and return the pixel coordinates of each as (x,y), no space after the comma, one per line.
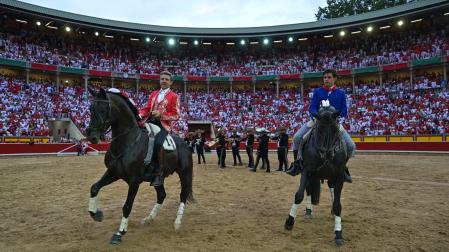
(324,156)
(125,158)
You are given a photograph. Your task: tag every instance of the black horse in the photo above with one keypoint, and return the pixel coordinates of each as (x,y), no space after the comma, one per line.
(324,157)
(125,157)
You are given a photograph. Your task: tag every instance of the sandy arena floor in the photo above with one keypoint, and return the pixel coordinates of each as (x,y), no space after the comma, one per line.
(396,203)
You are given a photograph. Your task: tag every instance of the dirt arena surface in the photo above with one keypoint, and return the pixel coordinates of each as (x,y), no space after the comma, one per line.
(396,203)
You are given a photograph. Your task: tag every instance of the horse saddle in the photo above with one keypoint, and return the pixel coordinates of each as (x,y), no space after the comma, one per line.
(169,143)
(154,173)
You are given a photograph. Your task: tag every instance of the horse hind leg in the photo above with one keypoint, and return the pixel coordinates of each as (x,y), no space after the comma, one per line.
(160,191)
(108,178)
(186,176)
(309,207)
(313,189)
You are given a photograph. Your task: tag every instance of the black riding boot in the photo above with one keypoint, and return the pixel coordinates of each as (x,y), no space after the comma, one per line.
(348,177)
(297,166)
(155,175)
(295,154)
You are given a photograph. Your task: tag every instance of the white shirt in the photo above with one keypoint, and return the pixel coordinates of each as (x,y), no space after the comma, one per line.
(162,94)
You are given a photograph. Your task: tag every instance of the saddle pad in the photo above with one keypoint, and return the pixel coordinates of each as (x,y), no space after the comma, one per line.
(169,143)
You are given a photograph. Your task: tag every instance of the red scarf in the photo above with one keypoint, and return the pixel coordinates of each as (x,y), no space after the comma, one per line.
(330,88)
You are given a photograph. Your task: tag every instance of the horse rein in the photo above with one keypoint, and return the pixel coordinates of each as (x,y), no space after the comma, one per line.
(327,147)
(106,122)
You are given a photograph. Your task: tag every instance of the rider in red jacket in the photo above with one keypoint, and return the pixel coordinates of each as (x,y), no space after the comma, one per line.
(162,108)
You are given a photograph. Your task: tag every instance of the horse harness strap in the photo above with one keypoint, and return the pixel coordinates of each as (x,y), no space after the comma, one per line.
(103,121)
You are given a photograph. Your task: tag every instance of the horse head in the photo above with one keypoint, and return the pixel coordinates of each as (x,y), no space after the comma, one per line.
(327,116)
(100,115)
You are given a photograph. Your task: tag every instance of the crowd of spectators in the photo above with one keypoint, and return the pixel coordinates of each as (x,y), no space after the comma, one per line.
(395,108)
(356,52)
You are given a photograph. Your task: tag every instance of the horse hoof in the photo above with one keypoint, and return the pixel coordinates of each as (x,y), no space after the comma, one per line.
(98,216)
(116,239)
(308,215)
(339,238)
(146,221)
(289,223)
(339,242)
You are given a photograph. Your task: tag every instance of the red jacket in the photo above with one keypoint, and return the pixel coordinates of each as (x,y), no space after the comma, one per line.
(169,108)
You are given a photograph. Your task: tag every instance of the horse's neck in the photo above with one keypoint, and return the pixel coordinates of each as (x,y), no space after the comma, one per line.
(124,127)
(324,137)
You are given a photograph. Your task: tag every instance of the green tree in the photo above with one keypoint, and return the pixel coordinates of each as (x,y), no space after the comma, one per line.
(343,8)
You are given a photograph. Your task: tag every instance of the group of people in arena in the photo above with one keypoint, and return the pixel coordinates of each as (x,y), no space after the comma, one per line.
(329,92)
(163,107)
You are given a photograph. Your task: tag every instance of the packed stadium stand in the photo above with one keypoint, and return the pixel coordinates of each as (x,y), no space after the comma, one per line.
(395,75)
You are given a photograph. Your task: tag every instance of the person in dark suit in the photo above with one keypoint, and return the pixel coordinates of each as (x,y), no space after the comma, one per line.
(221,149)
(282,142)
(188,141)
(235,145)
(262,151)
(199,146)
(249,143)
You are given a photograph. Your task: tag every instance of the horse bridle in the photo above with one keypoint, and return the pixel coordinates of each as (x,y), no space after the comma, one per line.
(105,124)
(328,147)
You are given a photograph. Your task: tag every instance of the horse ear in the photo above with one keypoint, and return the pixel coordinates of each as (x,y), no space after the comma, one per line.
(102,93)
(92,92)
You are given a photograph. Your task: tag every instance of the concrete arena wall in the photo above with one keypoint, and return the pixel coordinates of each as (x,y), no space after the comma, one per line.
(7,149)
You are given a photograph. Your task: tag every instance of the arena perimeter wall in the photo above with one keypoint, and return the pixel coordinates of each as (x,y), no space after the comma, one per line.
(67,149)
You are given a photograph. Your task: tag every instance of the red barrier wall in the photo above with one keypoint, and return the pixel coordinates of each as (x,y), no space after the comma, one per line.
(403,146)
(18,148)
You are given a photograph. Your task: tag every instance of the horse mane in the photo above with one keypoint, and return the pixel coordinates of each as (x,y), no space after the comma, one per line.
(128,102)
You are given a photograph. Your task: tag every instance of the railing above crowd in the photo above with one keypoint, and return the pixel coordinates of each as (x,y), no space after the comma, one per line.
(407,64)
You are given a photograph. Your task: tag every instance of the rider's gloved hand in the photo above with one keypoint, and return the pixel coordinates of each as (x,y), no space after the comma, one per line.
(140,121)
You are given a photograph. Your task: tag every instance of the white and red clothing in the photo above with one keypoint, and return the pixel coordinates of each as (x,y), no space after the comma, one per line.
(164,101)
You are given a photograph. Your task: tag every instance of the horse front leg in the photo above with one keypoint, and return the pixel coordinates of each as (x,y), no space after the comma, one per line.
(299,196)
(160,191)
(336,207)
(309,207)
(313,197)
(132,191)
(95,213)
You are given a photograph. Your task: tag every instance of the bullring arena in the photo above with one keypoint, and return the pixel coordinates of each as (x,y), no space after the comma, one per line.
(396,203)
(73,85)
